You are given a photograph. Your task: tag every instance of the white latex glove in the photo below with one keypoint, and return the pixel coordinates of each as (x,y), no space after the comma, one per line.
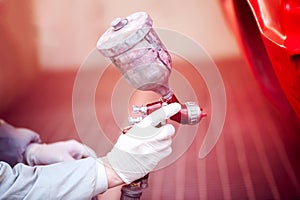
(44,154)
(138,152)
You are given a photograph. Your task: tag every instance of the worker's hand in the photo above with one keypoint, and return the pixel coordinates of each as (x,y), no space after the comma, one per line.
(138,152)
(14,142)
(44,154)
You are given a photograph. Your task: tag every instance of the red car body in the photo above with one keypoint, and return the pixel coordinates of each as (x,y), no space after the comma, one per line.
(268,32)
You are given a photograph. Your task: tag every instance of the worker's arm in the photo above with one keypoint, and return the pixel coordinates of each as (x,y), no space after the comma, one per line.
(135,154)
(79,179)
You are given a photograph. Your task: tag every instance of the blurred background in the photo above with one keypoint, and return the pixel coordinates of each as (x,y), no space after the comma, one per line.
(43,43)
(68,30)
(58,35)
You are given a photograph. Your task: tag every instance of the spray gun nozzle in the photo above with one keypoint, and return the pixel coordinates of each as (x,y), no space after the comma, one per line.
(139,109)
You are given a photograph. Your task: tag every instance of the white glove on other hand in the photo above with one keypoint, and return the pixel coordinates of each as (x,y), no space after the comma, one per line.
(138,152)
(44,154)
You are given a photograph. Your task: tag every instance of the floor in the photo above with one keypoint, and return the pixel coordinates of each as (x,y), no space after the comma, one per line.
(256,157)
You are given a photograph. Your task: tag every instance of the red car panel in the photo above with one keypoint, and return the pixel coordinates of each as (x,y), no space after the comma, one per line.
(269,33)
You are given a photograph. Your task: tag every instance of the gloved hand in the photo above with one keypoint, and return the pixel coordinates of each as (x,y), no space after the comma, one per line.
(138,152)
(44,154)
(14,141)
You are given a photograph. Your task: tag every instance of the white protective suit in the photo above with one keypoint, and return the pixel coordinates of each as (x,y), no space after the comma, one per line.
(67,180)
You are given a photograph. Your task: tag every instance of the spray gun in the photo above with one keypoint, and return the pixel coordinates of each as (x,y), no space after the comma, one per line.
(136,50)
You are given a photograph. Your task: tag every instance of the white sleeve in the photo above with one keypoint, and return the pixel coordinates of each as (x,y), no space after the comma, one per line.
(101,180)
(69,180)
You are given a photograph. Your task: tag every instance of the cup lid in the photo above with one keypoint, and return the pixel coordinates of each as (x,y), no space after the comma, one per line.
(124,34)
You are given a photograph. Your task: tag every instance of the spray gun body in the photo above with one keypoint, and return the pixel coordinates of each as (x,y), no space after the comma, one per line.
(136,50)
(190,112)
